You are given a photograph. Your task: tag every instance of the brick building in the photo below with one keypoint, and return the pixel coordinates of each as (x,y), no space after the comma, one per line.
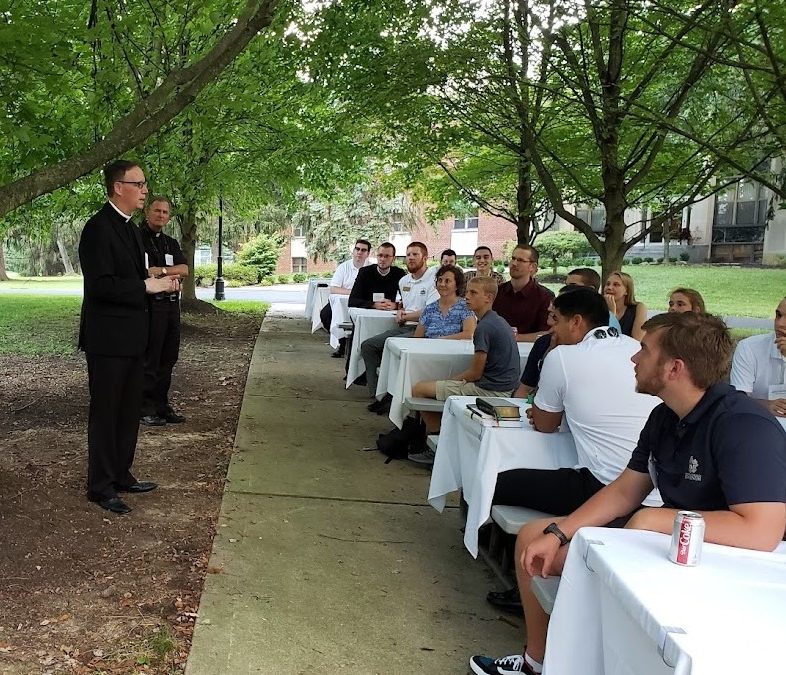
(462,234)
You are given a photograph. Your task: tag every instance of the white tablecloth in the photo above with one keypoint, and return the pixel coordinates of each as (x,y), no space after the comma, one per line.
(368,323)
(319,300)
(340,308)
(469,457)
(406,361)
(624,609)
(312,287)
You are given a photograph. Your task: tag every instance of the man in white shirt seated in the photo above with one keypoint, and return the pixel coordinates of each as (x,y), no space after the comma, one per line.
(418,288)
(341,284)
(587,381)
(759,365)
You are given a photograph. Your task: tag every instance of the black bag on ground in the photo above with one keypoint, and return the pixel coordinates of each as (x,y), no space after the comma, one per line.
(398,443)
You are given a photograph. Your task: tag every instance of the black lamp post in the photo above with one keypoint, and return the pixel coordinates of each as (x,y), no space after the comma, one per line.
(220,271)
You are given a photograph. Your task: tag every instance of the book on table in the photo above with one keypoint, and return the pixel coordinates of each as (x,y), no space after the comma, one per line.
(499,408)
(487,420)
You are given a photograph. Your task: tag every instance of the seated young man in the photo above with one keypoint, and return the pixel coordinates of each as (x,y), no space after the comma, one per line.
(759,365)
(495,367)
(711,449)
(587,380)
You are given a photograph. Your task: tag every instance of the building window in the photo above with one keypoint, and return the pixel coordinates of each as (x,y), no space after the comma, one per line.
(465,222)
(595,217)
(397,223)
(741,213)
(299,265)
(299,231)
(675,228)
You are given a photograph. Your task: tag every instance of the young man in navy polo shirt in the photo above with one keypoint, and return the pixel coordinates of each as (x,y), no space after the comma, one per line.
(707,447)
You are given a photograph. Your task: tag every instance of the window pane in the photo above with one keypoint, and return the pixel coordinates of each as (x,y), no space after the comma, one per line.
(746,191)
(746,213)
(472,223)
(459,224)
(598,219)
(722,212)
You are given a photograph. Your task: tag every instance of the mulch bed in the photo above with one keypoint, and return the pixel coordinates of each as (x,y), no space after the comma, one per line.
(86,591)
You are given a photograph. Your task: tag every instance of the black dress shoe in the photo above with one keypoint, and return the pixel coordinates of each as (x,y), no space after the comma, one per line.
(508,601)
(153,421)
(139,487)
(172,417)
(338,354)
(113,504)
(381,406)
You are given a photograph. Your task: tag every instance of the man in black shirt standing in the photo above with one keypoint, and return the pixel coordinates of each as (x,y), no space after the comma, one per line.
(163,258)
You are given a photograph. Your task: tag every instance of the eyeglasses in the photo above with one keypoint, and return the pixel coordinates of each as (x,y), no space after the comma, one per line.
(139,183)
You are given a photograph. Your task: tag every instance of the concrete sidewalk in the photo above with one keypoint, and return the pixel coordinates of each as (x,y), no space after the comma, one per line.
(325,558)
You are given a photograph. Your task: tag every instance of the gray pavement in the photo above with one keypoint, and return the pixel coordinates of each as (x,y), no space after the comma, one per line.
(325,558)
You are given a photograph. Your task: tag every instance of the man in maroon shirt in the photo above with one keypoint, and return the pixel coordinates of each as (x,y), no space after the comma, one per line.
(522,301)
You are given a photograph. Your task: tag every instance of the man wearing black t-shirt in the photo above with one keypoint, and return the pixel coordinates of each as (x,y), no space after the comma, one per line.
(707,447)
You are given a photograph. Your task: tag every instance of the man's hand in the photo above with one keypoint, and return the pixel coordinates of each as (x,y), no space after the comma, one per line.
(162,285)
(385,304)
(528,413)
(538,558)
(777,407)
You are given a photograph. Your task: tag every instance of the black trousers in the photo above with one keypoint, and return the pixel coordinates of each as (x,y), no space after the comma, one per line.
(113,422)
(326,316)
(558,492)
(163,349)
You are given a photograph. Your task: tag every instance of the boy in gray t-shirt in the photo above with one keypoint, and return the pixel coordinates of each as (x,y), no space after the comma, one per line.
(495,367)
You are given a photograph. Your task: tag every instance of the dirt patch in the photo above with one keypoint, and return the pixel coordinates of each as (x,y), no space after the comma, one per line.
(85,591)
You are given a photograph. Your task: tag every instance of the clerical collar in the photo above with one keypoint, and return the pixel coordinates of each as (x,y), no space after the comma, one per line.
(125,216)
(381,273)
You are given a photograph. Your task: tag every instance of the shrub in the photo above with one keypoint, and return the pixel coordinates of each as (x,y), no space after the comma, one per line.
(660,260)
(673,258)
(281,279)
(237,274)
(261,253)
(266,281)
(685,256)
(626,261)
(204,275)
(561,248)
(637,260)
(326,275)
(299,277)
(649,259)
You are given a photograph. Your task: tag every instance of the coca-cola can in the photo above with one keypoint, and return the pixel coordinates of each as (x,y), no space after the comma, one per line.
(687,538)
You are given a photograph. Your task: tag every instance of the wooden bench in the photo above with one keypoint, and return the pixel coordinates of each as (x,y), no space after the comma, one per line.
(424,404)
(512,518)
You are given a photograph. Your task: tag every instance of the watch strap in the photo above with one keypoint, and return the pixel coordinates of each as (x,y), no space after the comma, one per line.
(553,528)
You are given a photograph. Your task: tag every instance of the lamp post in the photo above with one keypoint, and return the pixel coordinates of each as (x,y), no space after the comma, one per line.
(220,270)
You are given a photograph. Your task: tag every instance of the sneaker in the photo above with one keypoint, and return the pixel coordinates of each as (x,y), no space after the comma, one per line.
(425,457)
(507,665)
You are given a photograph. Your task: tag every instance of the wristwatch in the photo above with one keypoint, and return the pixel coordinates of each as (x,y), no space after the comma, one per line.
(552,528)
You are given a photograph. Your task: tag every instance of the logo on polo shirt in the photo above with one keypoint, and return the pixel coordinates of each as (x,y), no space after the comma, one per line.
(693,467)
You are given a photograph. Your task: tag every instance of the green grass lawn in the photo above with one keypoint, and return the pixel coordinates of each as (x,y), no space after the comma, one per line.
(43,283)
(49,324)
(728,291)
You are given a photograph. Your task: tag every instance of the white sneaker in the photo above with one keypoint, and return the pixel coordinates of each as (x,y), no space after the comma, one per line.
(425,457)
(507,665)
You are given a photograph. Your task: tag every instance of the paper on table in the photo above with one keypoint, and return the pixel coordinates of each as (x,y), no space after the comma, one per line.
(378,297)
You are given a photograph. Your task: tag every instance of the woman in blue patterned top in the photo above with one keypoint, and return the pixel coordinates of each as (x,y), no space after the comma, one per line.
(449,317)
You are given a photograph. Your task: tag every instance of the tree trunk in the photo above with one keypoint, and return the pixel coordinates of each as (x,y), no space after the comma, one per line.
(3,273)
(67,266)
(614,244)
(188,230)
(666,239)
(524,208)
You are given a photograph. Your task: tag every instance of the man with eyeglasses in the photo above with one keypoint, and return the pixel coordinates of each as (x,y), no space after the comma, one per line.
(163,259)
(522,301)
(113,333)
(341,284)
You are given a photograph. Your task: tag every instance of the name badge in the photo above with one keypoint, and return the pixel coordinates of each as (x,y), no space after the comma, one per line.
(407,289)
(147,262)
(169,259)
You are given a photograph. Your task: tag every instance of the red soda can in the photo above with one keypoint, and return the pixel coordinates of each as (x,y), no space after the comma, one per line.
(687,538)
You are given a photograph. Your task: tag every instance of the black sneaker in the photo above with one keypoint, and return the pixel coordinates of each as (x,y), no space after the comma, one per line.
(508,601)
(507,665)
(153,421)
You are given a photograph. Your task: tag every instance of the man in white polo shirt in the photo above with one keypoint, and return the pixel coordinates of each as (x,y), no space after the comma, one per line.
(588,380)
(417,288)
(341,284)
(759,365)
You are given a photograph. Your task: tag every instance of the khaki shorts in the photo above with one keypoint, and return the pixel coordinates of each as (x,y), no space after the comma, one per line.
(447,388)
